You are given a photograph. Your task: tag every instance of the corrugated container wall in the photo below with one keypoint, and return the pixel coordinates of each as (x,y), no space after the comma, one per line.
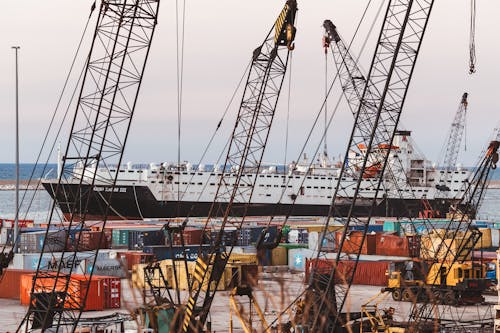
(89,240)
(137,239)
(371,273)
(119,239)
(10,283)
(106,267)
(32,242)
(162,252)
(353,242)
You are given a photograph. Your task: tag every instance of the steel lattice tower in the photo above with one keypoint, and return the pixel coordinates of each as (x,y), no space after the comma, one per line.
(105,107)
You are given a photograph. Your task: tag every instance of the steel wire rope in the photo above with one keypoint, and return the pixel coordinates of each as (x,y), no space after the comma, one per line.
(308,138)
(219,124)
(365,12)
(288,113)
(179,35)
(54,202)
(51,123)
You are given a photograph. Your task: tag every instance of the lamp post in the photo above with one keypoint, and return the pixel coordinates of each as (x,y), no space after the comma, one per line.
(16,220)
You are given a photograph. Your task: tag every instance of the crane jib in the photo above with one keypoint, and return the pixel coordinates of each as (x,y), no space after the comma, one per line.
(284,30)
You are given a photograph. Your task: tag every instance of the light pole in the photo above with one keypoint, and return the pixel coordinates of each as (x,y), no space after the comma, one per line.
(16,220)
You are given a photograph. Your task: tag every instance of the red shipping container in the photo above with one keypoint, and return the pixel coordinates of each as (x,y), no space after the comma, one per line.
(89,240)
(353,241)
(373,273)
(10,283)
(192,236)
(76,290)
(112,291)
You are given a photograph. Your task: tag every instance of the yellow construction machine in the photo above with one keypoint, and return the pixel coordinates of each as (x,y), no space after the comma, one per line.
(452,284)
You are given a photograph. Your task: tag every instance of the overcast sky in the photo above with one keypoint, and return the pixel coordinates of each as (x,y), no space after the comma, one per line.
(220,36)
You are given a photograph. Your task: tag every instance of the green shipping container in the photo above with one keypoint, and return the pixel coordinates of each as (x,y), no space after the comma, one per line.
(293,246)
(392,226)
(119,238)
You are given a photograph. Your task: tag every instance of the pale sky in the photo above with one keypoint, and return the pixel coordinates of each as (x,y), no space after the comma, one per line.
(220,36)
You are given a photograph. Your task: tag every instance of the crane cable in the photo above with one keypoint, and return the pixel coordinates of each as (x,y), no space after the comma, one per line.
(49,129)
(179,34)
(472,38)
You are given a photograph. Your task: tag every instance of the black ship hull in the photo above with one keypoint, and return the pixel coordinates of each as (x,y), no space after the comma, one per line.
(137,202)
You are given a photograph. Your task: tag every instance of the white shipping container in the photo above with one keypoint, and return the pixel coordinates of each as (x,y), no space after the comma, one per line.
(106,267)
(50,261)
(495,238)
(297,258)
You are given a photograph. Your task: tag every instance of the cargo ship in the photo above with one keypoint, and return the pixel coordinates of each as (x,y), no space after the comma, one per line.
(168,190)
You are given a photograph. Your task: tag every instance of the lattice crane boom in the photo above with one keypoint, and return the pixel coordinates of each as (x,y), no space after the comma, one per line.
(105,107)
(377,118)
(245,152)
(456,135)
(353,82)
(460,224)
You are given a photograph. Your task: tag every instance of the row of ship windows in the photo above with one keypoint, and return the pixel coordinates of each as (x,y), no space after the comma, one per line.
(462,172)
(248,175)
(129,171)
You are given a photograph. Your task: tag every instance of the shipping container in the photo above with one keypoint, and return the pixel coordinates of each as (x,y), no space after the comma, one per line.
(32,242)
(371,228)
(77,288)
(394,245)
(10,282)
(353,241)
(495,238)
(106,267)
(51,261)
(190,236)
(137,239)
(297,258)
(112,291)
(89,241)
(371,273)
(279,256)
(392,226)
(189,252)
(119,239)
(328,241)
(130,258)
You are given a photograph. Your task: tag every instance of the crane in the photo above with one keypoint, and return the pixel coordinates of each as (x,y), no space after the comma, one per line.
(106,102)
(378,115)
(353,83)
(454,141)
(460,223)
(245,152)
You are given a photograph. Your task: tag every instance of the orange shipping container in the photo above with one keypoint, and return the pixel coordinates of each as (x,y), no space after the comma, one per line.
(10,283)
(372,273)
(392,245)
(76,290)
(353,241)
